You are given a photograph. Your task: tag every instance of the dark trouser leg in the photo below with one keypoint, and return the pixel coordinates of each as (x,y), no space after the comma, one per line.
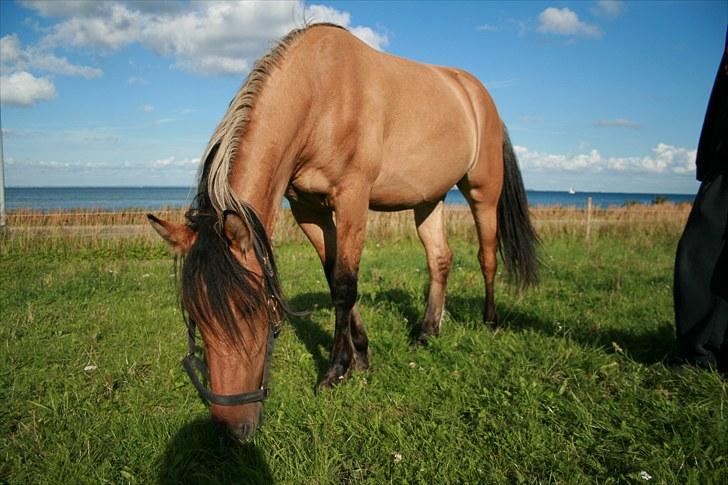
(701,315)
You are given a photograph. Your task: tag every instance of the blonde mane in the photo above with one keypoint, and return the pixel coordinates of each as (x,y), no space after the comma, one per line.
(224,144)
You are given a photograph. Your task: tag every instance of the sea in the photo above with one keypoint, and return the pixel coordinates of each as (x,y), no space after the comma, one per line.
(118,198)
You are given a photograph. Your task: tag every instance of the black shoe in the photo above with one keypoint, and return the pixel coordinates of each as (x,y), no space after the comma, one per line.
(704,362)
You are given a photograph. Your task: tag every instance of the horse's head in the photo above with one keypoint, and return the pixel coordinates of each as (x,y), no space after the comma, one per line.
(227,292)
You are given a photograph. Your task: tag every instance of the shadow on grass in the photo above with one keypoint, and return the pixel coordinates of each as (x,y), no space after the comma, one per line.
(198,454)
(403,303)
(313,336)
(318,340)
(309,332)
(644,347)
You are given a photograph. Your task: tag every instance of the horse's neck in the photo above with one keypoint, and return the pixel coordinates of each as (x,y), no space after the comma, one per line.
(261,184)
(263,170)
(272,144)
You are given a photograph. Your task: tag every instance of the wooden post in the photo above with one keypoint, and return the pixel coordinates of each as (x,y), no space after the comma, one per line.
(588,217)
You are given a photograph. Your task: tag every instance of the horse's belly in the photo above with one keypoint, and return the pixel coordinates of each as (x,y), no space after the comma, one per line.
(422,168)
(403,184)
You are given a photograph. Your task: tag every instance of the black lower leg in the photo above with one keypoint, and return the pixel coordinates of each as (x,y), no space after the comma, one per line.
(359,338)
(360,341)
(490,317)
(344,294)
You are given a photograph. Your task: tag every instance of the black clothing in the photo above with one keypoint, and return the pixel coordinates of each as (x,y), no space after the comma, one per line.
(701,264)
(713,147)
(701,315)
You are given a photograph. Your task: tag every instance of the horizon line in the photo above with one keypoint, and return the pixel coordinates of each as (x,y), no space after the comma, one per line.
(193,187)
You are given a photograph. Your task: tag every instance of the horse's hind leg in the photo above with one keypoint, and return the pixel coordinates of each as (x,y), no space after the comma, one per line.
(320,229)
(484,206)
(430,220)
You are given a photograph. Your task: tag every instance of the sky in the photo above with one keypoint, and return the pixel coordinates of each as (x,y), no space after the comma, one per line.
(597,95)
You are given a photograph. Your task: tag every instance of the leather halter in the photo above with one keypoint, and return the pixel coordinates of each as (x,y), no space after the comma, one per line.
(191,363)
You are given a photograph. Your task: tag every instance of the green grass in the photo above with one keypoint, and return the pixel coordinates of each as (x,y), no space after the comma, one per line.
(574,390)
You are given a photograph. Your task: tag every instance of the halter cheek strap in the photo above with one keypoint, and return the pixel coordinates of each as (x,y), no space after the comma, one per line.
(193,364)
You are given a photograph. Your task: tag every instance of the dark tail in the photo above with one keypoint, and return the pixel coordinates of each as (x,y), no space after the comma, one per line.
(517,239)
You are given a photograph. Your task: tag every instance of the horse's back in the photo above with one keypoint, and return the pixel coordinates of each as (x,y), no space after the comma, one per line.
(420,125)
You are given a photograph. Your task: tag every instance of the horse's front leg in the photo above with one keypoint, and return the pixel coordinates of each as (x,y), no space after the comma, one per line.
(320,229)
(351,218)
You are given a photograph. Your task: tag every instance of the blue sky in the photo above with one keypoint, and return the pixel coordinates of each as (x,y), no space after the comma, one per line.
(601,95)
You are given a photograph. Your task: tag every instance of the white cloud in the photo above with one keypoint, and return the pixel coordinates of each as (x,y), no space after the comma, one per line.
(10,51)
(107,27)
(15,58)
(23,89)
(617,123)
(170,171)
(146,108)
(19,86)
(665,159)
(206,37)
(537,160)
(562,21)
(170,162)
(54,8)
(323,13)
(60,65)
(371,37)
(608,8)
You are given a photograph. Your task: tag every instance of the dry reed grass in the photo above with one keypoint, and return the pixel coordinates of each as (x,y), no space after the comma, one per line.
(550,221)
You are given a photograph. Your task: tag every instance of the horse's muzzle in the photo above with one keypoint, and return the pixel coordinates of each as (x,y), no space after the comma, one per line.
(242,432)
(237,433)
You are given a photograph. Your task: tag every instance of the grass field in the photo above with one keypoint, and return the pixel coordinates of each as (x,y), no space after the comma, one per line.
(574,390)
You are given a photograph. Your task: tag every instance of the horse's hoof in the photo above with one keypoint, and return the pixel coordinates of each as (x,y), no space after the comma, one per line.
(331,379)
(360,363)
(424,338)
(492,325)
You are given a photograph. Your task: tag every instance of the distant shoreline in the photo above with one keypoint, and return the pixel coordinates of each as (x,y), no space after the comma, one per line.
(49,199)
(182,187)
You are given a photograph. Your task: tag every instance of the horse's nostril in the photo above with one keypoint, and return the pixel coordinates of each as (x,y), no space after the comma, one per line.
(242,432)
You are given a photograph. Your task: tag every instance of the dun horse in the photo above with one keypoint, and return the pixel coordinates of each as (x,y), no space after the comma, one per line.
(335,127)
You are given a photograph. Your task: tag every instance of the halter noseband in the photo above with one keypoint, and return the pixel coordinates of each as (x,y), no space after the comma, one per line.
(192,363)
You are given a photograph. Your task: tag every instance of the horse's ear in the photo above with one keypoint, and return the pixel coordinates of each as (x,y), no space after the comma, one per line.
(180,237)
(237,232)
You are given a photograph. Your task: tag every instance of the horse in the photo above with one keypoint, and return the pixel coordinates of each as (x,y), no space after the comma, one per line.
(338,129)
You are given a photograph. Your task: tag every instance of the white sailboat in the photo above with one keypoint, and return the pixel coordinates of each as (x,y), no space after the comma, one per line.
(572,191)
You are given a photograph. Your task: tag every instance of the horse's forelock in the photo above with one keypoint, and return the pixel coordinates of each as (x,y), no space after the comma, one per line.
(216,290)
